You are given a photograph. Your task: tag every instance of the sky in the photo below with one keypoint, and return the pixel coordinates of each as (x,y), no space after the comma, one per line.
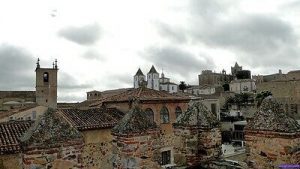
(101,44)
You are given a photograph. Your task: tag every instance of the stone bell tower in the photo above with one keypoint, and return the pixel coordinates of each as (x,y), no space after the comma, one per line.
(46,85)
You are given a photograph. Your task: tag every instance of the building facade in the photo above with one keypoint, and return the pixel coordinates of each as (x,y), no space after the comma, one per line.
(46,85)
(153,81)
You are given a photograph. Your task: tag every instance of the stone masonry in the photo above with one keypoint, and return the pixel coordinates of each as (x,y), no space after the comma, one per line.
(198,136)
(51,143)
(272,137)
(136,142)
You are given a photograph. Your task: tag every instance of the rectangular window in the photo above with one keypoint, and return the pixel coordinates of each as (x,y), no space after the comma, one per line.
(213,108)
(166,157)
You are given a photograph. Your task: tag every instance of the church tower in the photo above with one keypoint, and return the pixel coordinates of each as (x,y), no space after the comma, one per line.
(153,79)
(46,85)
(138,79)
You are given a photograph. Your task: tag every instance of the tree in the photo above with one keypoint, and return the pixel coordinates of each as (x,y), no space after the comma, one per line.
(182,86)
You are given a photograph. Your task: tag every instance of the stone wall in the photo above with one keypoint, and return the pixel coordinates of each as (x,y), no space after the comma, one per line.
(195,145)
(10,161)
(136,151)
(66,156)
(97,155)
(97,150)
(268,149)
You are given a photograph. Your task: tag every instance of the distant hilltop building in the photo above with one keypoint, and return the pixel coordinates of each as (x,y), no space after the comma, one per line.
(154,81)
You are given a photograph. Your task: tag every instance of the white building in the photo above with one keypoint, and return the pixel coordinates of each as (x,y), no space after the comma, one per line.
(154,81)
(242,86)
(202,90)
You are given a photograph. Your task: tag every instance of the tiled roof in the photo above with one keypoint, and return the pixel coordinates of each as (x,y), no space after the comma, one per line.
(135,121)
(142,94)
(48,131)
(271,117)
(197,115)
(10,132)
(92,118)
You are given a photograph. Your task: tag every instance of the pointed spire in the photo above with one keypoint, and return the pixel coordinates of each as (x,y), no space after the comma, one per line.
(38,63)
(162,73)
(236,64)
(55,66)
(139,73)
(152,70)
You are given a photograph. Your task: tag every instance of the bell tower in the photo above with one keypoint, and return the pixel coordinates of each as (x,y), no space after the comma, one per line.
(46,85)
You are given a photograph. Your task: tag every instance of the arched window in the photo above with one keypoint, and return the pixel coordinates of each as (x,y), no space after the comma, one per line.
(178,111)
(164,115)
(46,77)
(150,114)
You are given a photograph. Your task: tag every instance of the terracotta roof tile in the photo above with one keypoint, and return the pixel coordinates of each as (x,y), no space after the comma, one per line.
(142,94)
(10,132)
(92,118)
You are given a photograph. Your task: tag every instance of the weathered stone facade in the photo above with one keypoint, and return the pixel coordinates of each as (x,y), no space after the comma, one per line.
(51,143)
(136,142)
(272,138)
(198,136)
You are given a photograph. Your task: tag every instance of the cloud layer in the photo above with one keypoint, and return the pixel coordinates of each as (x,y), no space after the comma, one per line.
(17,68)
(177,60)
(85,35)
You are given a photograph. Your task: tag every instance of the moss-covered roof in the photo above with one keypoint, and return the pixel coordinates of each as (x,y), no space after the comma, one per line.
(50,129)
(135,121)
(197,115)
(271,117)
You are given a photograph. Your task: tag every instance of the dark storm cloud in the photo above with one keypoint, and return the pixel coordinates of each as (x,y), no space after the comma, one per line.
(258,40)
(16,68)
(85,35)
(177,60)
(253,38)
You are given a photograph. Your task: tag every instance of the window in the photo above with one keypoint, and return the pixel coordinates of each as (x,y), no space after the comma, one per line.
(213,107)
(150,115)
(28,118)
(46,77)
(178,111)
(164,115)
(166,157)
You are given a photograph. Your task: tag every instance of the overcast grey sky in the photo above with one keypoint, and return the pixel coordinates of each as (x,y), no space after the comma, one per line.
(101,44)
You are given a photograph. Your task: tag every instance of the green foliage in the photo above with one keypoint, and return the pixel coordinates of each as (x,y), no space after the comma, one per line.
(182,86)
